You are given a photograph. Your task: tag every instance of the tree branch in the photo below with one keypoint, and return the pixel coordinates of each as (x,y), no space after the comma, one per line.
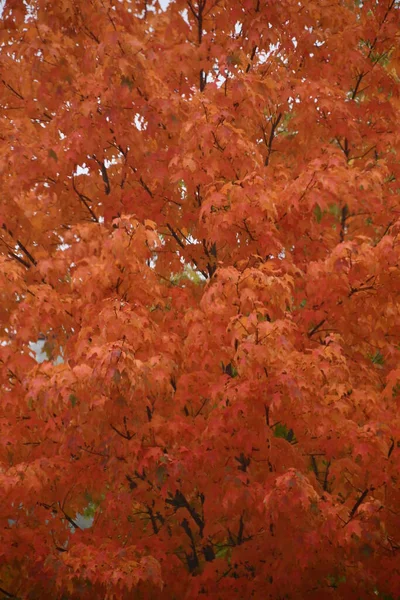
(315,328)
(28,254)
(7,594)
(275,124)
(127,436)
(104,174)
(359,502)
(69,519)
(85,201)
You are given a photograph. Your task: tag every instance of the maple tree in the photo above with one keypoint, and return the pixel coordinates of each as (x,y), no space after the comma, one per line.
(200,215)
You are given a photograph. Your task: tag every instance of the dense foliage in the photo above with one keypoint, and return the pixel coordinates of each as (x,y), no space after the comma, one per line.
(200,218)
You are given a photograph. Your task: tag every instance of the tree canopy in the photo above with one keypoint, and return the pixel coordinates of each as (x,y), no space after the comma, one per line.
(200,217)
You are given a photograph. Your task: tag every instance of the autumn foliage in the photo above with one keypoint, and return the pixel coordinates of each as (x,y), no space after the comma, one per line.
(200,219)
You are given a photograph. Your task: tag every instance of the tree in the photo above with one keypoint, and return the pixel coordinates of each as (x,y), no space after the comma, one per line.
(200,215)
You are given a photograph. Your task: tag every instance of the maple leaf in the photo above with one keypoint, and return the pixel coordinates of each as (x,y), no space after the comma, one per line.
(199,218)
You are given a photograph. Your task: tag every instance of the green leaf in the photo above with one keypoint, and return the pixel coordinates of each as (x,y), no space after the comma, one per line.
(73,399)
(53,155)
(281,431)
(318,213)
(396,390)
(223,552)
(335,580)
(127,82)
(377,358)
(335,210)
(230,370)
(90,510)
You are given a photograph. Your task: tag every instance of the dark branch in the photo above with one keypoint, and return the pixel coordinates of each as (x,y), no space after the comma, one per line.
(325,484)
(252,55)
(104,174)
(7,594)
(69,519)
(179,501)
(127,436)
(359,502)
(315,328)
(275,124)
(28,254)
(19,259)
(85,201)
(13,90)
